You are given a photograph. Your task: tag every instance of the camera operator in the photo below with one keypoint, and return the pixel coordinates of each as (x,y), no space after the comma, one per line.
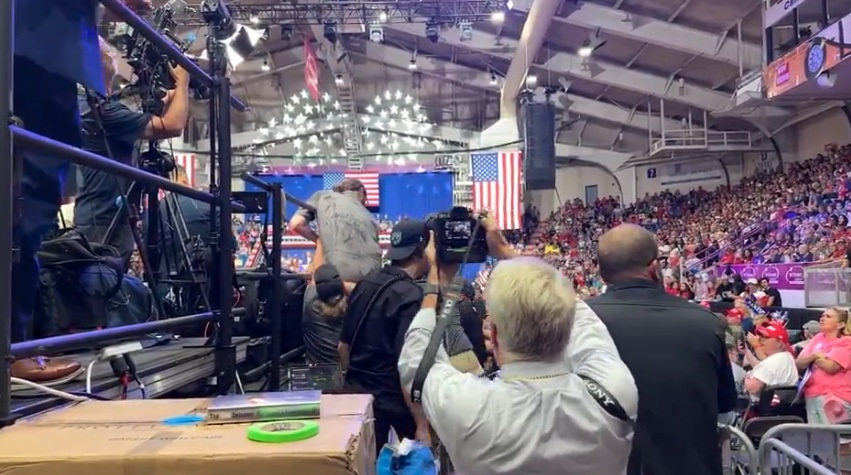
(565,402)
(54,50)
(113,129)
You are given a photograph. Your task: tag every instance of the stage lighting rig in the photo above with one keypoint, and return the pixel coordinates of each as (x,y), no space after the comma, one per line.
(217,15)
(312,12)
(239,40)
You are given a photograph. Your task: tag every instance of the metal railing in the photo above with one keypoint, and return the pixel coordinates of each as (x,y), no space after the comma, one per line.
(704,262)
(803,448)
(827,285)
(738,454)
(14,138)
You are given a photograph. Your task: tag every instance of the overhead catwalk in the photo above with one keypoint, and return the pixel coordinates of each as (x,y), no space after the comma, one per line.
(311,12)
(225,351)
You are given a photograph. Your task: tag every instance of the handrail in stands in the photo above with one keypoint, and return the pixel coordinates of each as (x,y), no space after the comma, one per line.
(703,263)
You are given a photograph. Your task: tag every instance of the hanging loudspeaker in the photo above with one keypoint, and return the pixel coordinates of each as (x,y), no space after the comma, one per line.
(539,155)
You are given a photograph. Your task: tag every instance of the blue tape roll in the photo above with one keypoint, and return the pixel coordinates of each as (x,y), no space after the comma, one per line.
(186,420)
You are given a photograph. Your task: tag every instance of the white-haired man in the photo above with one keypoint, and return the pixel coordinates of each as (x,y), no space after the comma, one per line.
(564,402)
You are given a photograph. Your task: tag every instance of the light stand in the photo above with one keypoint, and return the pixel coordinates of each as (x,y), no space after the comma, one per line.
(221,271)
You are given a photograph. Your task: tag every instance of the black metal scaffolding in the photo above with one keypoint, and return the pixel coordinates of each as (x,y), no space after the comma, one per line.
(12,136)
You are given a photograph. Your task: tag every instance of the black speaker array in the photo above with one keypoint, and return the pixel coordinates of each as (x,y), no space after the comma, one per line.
(538,131)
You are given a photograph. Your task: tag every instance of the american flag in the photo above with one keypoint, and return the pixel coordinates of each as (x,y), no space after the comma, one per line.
(483,276)
(496,186)
(369,180)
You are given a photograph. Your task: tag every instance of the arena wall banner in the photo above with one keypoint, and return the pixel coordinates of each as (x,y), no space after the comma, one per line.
(781,276)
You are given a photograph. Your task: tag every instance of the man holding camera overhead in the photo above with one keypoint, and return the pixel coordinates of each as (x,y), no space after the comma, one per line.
(564,400)
(112,130)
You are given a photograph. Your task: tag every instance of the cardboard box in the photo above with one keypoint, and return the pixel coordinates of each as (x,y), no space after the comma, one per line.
(128,437)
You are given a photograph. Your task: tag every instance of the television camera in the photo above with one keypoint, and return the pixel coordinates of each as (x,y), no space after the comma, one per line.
(151,67)
(459,236)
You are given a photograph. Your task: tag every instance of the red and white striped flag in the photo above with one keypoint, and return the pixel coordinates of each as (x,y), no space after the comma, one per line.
(483,276)
(187,161)
(254,257)
(369,180)
(497,186)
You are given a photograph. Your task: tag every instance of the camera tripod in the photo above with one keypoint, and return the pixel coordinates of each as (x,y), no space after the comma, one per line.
(149,252)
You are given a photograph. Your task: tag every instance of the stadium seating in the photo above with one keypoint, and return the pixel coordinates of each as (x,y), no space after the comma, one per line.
(799,214)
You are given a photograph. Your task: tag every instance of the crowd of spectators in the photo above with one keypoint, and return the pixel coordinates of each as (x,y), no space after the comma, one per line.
(799,214)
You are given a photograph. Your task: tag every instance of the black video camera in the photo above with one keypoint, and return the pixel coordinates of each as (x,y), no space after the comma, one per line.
(151,67)
(458,234)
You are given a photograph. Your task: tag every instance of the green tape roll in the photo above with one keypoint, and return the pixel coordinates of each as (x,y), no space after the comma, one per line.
(282,431)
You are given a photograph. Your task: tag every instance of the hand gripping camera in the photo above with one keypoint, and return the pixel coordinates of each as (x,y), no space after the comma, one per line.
(459,236)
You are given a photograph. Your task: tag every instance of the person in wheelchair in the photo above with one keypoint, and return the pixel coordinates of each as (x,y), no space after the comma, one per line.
(777,368)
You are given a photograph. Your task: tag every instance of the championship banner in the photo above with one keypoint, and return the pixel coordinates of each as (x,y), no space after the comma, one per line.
(780,276)
(808,60)
(778,11)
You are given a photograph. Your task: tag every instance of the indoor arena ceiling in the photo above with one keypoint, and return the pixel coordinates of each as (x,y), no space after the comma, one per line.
(688,53)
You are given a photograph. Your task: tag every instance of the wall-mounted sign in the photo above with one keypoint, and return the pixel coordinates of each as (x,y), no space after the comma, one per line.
(651,173)
(778,11)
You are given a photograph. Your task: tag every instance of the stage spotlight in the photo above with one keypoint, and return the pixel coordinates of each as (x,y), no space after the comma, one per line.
(432,31)
(286,32)
(466,30)
(330,31)
(218,16)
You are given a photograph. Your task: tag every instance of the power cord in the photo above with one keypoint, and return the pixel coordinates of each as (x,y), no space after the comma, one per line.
(48,390)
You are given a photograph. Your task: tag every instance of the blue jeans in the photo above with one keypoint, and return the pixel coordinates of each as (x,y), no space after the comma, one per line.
(47,105)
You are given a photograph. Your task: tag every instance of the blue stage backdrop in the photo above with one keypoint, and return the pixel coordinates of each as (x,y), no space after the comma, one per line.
(412,195)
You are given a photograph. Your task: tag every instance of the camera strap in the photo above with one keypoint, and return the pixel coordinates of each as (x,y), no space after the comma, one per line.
(444,318)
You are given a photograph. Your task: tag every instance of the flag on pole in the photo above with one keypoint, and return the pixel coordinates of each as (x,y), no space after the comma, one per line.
(496,186)
(369,180)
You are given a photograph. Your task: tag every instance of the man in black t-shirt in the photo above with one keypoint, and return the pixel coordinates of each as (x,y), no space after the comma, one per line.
(774,297)
(112,130)
(372,335)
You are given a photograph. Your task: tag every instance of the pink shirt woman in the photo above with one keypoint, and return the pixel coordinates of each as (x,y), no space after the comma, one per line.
(827,360)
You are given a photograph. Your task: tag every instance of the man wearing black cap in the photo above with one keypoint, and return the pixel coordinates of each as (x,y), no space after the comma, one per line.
(379,311)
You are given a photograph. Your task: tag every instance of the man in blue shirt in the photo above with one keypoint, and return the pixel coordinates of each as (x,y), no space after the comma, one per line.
(56,47)
(114,129)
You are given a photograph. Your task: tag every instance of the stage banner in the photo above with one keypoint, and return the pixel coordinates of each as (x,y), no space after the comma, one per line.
(781,276)
(807,61)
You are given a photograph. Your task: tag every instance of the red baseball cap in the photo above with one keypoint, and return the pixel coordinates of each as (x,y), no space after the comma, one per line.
(735,313)
(774,331)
